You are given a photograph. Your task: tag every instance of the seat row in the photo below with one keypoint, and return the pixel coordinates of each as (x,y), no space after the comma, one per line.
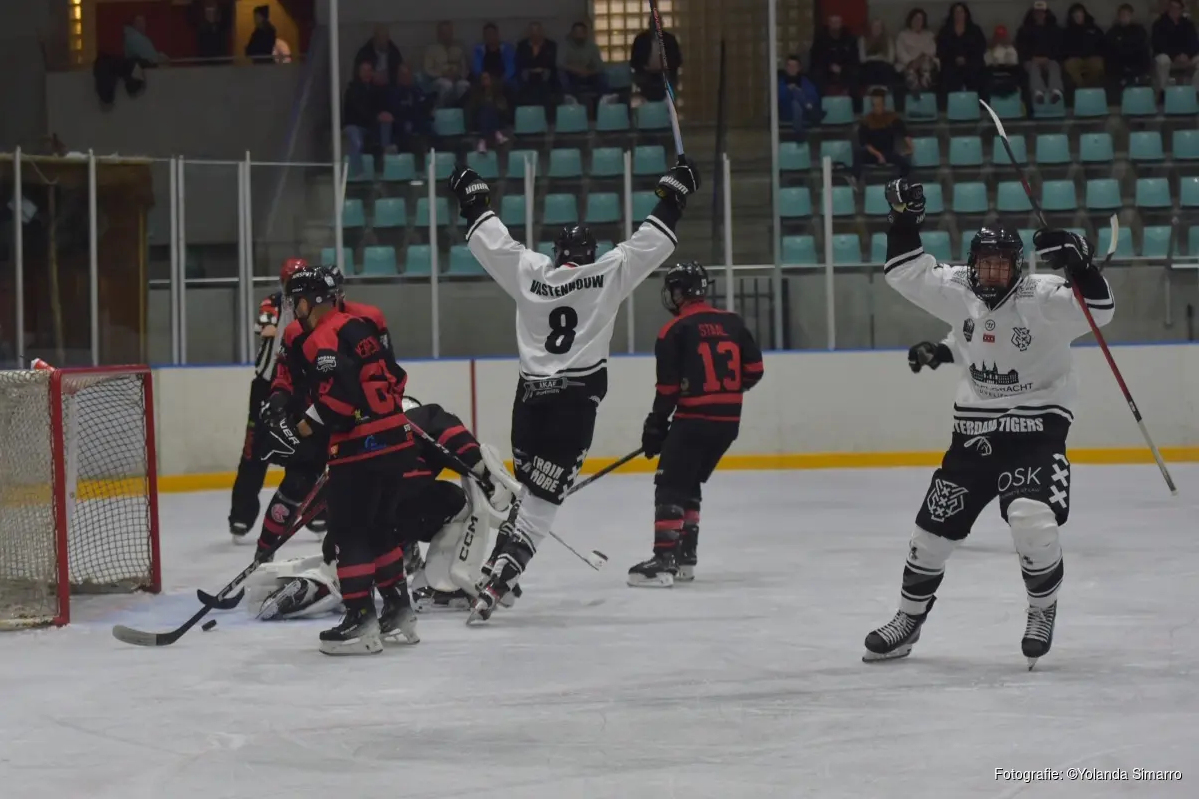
(382,261)
(603,208)
(564,162)
(532,120)
(1101,194)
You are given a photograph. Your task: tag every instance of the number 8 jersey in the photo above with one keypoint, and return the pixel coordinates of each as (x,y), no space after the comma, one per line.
(565,315)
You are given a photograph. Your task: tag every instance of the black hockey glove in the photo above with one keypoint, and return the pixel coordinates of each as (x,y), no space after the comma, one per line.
(907,203)
(274,407)
(283,440)
(653,435)
(928,354)
(1062,249)
(681,180)
(472,191)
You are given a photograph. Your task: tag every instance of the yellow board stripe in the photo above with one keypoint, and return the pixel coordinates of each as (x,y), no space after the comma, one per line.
(809,460)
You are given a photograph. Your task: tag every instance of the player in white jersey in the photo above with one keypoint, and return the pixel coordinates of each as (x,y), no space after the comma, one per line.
(1013,408)
(565,310)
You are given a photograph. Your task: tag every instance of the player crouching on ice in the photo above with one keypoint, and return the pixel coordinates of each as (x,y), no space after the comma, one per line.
(1013,408)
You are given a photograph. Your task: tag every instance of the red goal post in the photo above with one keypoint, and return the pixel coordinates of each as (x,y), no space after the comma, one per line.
(78,489)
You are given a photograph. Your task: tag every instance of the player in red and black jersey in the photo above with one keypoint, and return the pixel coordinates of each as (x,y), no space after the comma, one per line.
(706,360)
(355,393)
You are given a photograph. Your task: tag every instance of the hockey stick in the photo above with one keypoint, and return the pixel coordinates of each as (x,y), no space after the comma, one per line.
(670,101)
(1107,353)
(606,470)
(303,515)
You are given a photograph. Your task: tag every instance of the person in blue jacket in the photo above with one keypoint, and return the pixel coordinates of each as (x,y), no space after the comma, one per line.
(493,56)
(799,101)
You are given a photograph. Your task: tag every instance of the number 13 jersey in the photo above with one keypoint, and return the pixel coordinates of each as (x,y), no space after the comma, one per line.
(565,315)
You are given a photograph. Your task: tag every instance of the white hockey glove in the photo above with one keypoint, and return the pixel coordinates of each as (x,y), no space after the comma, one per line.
(505,488)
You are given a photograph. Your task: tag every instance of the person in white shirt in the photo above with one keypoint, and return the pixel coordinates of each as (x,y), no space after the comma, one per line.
(565,310)
(1012,412)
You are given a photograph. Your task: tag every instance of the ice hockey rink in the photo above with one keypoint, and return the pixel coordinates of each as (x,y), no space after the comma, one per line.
(747,683)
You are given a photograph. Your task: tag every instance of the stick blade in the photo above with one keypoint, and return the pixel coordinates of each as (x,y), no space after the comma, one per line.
(128,635)
(597,559)
(994,117)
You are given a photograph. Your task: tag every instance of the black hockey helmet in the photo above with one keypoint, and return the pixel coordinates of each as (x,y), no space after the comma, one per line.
(574,245)
(987,280)
(317,284)
(685,281)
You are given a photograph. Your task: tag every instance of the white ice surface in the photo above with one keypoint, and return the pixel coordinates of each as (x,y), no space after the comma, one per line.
(747,683)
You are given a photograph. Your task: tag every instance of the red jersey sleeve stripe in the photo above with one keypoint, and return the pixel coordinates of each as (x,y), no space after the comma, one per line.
(711,399)
(450,433)
(753,367)
(667,389)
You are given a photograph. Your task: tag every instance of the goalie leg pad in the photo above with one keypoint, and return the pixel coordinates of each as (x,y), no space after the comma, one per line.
(466,570)
(1035,536)
(924,570)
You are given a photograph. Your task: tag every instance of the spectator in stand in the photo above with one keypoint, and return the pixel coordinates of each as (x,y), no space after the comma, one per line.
(1083,46)
(834,59)
(1003,65)
(138,47)
(1175,47)
(382,54)
(799,101)
(445,66)
(1039,43)
(537,68)
(213,24)
(916,53)
(961,46)
(1129,59)
(646,63)
(406,104)
(261,47)
(495,57)
(361,116)
(883,139)
(489,109)
(581,65)
(876,52)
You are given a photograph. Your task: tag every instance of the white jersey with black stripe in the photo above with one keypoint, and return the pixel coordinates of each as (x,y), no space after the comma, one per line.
(565,315)
(1015,357)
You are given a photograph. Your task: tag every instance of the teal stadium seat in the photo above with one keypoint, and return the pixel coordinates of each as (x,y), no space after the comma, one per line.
(795,157)
(842,201)
(795,202)
(380,261)
(1180,101)
(934,199)
(441,208)
(1026,238)
(516,163)
(936,244)
(603,208)
(1048,109)
(560,209)
(367,174)
(463,262)
(329,258)
(1193,240)
(449,122)
(399,167)
(964,245)
(1138,101)
(620,76)
(390,213)
(1184,145)
(602,248)
(878,248)
(1090,103)
(876,201)
(1059,195)
(965,151)
(353,215)
(486,164)
(530,120)
(607,162)
(644,203)
(418,262)
(513,209)
(799,251)
(1188,194)
(443,165)
(970,198)
(1146,146)
(566,163)
(653,116)
(649,160)
(926,152)
(611,118)
(571,118)
(1153,193)
(922,108)
(1096,148)
(1010,198)
(840,150)
(1009,106)
(1053,148)
(1155,241)
(1103,194)
(1103,240)
(837,110)
(962,107)
(999,155)
(847,249)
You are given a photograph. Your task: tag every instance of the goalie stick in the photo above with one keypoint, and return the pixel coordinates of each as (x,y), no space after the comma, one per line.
(1107,353)
(303,515)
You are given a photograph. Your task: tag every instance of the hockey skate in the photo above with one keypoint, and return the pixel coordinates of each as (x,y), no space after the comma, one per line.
(1038,633)
(506,572)
(398,619)
(240,532)
(896,638)
(508,599)
(427,599)
(358,634)
(688,558)
(657,572)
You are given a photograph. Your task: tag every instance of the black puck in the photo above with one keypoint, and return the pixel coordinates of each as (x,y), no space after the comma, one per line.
(208,625)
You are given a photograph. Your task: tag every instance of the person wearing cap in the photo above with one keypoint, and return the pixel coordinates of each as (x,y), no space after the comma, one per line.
(1083,46)
(1039,43)
(1003,65)
(1129,60)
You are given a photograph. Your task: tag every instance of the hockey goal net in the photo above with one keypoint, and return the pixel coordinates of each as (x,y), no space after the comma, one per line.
(78,492)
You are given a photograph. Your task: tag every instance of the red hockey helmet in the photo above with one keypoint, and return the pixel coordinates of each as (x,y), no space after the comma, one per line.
(290,267)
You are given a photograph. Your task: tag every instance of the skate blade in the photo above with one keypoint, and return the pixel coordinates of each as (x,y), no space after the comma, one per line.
(1032,662)
(478,616)
(367,645)
(400,637)
(686,575)
(664,580)
(875,657)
